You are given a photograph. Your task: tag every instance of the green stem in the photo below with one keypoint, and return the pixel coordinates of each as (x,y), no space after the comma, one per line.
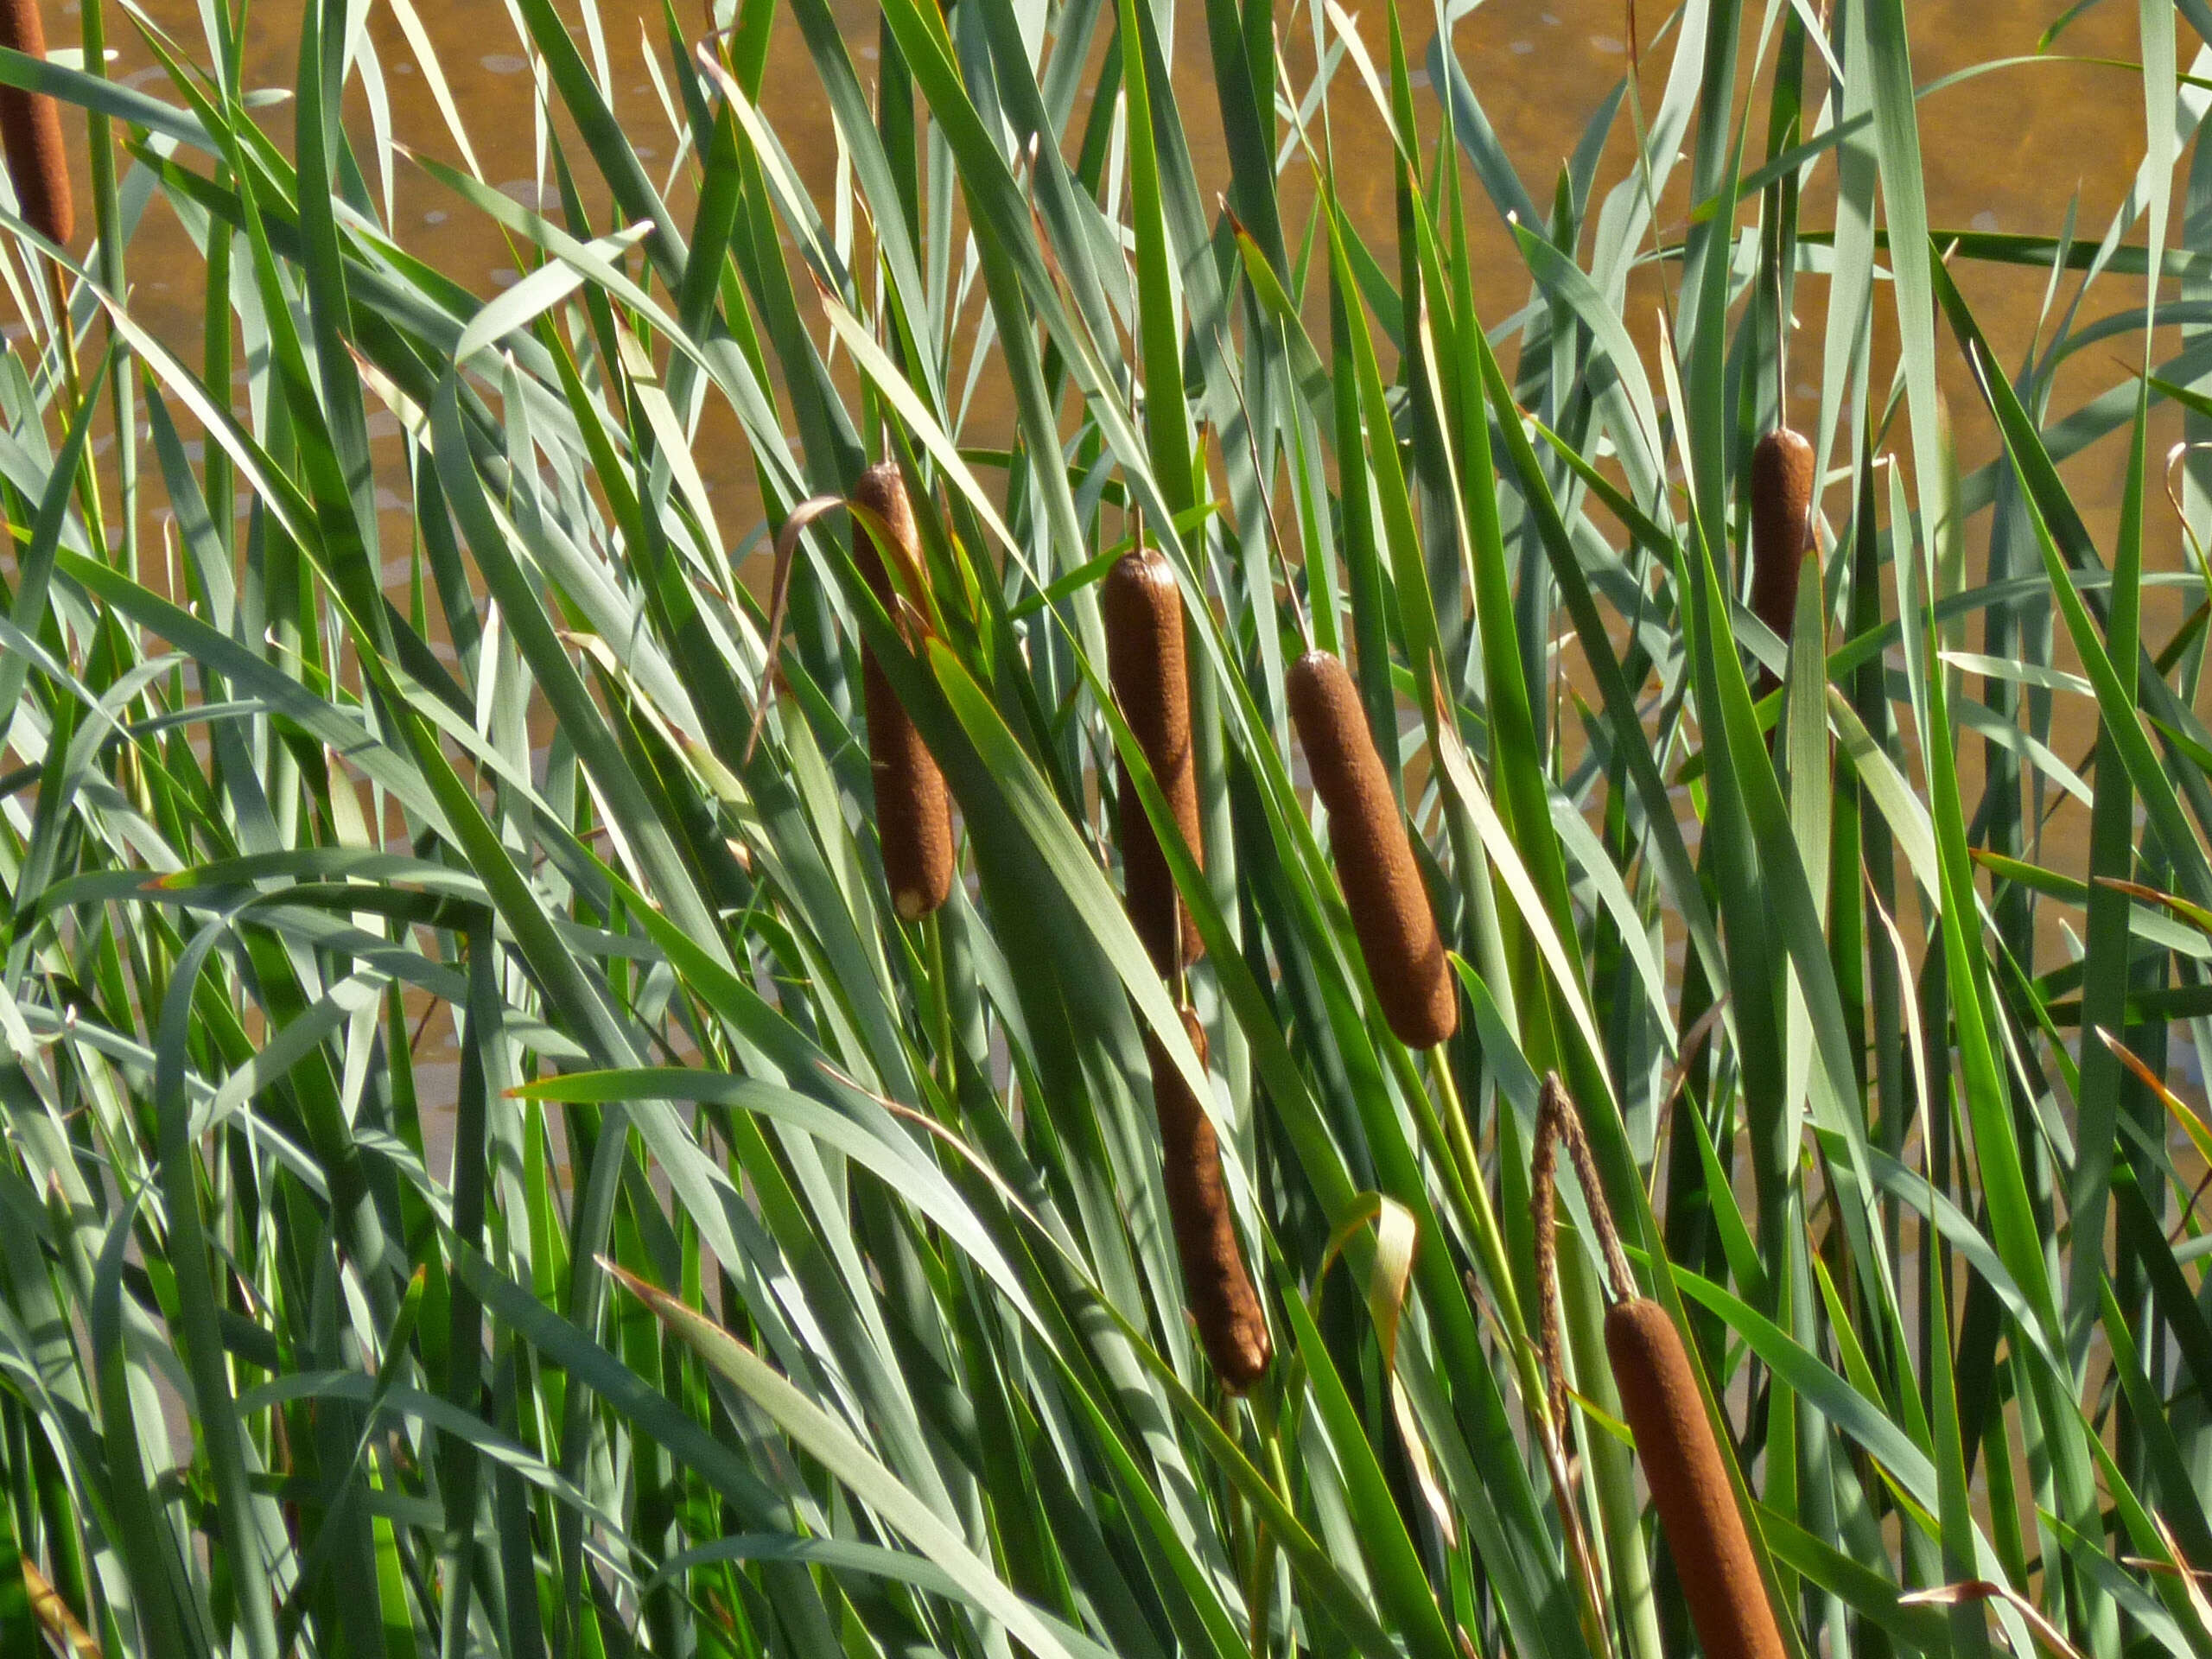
(1260,1582)
(940,1004)
(108,216)
(1482,1218)
(72,380)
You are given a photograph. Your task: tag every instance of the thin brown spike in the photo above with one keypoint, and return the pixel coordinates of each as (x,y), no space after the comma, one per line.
(913,813)
(1223,1304)
(1143,614)
(1375,859)
(30,130)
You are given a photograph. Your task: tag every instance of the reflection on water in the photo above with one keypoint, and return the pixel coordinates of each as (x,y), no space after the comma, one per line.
(2007,151)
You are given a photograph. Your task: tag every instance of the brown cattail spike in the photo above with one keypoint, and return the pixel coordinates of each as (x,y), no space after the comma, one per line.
(1143,613)
(1225,1306)
(1375,860)
(913,814)
(30,127)
(1781,528)
(1690,1485)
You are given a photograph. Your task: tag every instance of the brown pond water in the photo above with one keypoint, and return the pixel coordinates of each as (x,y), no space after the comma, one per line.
(2005,152)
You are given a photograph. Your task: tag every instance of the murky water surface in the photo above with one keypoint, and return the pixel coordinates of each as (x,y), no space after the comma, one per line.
(2009,151)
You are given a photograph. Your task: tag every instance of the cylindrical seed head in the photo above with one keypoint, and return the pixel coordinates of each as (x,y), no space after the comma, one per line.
(1223,1304)
(1375,859)
(1145,660)
(30,130)
(913,813)
(1782,525)
(1689,1484)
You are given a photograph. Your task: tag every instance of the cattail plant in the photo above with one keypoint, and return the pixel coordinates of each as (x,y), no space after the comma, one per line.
(1223,1304)
(1682,1465)
(1374,860)
(30,129)
(1145,659)
(438,994)
(913,813)
(1782,528)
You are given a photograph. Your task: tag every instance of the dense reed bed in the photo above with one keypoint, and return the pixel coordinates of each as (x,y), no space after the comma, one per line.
(565,1096)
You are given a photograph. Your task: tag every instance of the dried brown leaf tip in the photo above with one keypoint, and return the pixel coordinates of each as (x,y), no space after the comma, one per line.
(1146,662)
(1216,1283)
(913,812)
(1782,527)
(1374,857)
(30,129)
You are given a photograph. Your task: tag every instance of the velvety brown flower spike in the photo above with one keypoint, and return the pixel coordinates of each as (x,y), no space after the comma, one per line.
(913,812)
(1689,1484)
(1782,528)
(1145,660)
(30,129)
(1682,1465)
(1375,859)
(1218,1287)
